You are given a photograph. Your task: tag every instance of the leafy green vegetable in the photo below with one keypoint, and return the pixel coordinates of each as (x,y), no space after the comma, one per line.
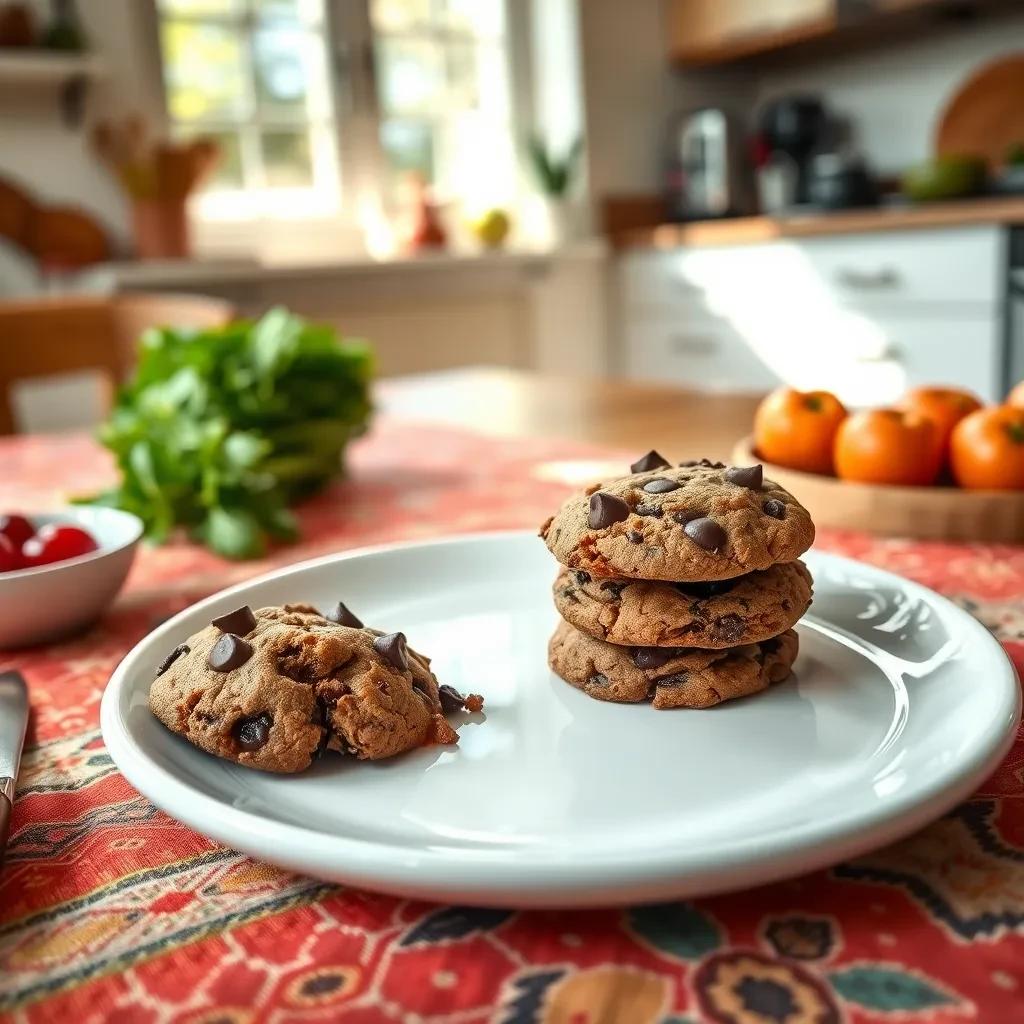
(554,175)
(221,430)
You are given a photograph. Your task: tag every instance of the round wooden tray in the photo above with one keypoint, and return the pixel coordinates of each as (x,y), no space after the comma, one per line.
(927,513)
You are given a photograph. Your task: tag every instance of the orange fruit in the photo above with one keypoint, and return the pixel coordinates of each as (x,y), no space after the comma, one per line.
(987,449)
(887,446)
(945,407)
(1016,396)
(797,428)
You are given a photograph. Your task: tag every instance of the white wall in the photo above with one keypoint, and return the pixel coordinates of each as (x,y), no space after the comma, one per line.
(896,94)
(55,161)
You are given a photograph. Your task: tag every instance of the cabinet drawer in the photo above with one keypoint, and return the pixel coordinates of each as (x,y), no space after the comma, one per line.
(886,268)
(963,353)
(694,354)
(864,361)
(949,265)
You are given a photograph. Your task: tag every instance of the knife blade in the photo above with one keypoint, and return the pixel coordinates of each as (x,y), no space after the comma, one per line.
(13,722)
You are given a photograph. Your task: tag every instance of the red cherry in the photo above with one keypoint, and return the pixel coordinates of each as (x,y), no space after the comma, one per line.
(17,529)
(55,543)
(10,556)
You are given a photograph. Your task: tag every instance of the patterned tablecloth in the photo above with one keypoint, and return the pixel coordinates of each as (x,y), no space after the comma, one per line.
(112,912)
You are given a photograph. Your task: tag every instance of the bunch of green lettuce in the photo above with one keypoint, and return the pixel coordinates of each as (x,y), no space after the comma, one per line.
(221,430)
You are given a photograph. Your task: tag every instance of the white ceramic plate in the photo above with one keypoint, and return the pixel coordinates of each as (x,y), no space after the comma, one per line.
(900,705)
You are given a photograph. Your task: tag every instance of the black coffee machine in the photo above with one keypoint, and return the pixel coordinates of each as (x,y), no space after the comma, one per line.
(799,127)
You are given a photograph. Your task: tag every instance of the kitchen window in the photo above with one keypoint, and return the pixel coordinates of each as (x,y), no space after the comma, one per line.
(253,75)
(429,77)
(443,87)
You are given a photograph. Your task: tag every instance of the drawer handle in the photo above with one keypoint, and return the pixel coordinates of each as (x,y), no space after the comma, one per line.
(889,354)
(692,344)
(868,280)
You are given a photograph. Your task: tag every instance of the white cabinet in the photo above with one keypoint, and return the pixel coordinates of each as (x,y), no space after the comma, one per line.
(863,315)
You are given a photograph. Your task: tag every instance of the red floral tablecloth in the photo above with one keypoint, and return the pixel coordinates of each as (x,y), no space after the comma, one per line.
(112,912)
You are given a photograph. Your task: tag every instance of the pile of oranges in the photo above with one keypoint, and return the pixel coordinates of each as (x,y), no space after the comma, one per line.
(932,435)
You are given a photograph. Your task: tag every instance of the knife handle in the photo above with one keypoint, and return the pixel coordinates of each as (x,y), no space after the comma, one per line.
(5,822)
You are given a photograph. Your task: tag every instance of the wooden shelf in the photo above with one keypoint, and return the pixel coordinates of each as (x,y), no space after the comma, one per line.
(705,33)
(47,67)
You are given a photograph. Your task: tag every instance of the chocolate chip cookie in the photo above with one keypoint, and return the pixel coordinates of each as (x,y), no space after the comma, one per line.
(669,677)
(716,614)
(272,689)
(693,522)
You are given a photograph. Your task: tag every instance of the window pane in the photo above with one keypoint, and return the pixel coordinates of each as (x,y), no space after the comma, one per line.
(200,8)
(411,75)
(307,11)
(287,161)
(281,79)
(395,15)
(204,70)
(479,17)
(408,146)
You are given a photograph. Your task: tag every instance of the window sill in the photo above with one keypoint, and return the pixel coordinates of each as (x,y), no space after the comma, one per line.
(200,272)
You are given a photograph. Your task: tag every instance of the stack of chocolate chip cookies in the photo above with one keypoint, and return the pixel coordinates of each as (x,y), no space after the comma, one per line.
(679,585)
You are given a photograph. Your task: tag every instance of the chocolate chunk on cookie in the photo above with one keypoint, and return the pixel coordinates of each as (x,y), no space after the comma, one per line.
(689,678)
(697,522)
(297,683)
(714,615)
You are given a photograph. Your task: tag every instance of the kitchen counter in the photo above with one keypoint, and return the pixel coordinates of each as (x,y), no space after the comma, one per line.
(744,230)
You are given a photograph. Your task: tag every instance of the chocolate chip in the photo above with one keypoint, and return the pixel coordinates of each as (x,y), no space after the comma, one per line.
(322,717)
(241,621)
(750,477)
(682,517)
(652,460)
(635,537)
(708,464)
(451,699)
(677,680)
(229,652)
(653,657)
(172,658)
(702,589)
(392,649)
(774,508)
(343,617)
(616,587)
(253,732)
(660,485)
(583,577)
(649,510)
(598,680)
(705,533)
(729,628)
(687,463)
(606,509)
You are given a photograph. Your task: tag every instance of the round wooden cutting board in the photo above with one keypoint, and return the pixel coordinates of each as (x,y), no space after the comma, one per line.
(986,116)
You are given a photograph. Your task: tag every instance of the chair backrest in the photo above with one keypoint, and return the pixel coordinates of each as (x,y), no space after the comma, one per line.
(55,337)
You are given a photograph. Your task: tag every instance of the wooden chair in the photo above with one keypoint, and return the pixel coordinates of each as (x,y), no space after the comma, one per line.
(56,337)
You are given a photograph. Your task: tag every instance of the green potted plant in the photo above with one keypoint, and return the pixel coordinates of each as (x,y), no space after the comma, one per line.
(555,175)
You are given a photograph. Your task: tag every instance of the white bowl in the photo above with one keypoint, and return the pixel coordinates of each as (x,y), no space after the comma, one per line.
(51,601)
